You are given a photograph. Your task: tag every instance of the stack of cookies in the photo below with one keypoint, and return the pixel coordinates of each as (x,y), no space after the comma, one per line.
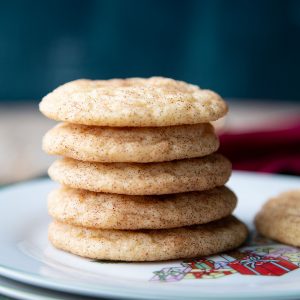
(140,179)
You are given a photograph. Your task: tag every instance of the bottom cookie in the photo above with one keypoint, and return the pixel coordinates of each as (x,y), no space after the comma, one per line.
(279,218)
(149,245)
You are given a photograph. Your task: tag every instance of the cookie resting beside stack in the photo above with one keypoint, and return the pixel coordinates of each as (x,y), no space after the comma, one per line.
(279,218)
(140,177)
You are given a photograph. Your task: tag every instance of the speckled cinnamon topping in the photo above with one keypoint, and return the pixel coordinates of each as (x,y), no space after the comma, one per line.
(195,174)
(114,211)
(131,144)
(149,245)
(155,101)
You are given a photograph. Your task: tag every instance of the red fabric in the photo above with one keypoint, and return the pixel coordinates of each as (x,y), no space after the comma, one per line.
(276,151)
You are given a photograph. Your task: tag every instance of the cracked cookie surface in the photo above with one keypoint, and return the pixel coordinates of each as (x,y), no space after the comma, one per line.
(155,101)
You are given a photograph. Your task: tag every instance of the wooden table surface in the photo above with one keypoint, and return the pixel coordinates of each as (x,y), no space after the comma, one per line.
(22,127)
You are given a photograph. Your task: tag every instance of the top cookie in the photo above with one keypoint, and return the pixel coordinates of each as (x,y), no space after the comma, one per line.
(135,102)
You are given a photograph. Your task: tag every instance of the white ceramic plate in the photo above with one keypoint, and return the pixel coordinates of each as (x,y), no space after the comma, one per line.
(26,255)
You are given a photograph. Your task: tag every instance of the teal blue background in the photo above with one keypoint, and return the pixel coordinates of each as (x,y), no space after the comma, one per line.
(242,49)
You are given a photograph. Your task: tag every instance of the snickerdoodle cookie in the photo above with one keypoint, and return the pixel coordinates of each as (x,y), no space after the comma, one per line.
(154,101)
(279,218)
(194,174)
(149,245)
(114,211)
(131,144)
